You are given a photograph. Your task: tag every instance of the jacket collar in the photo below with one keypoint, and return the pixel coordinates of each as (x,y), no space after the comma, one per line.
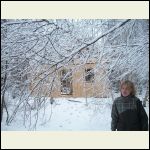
(127,97)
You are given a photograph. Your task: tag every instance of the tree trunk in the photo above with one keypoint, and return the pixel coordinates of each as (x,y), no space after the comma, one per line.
(146,95)
(2,107)
(3,104)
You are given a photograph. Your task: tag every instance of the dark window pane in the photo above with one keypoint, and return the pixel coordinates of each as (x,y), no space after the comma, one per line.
(89,75)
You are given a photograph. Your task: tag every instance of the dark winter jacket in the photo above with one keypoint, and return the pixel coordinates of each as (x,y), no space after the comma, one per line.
(128,114)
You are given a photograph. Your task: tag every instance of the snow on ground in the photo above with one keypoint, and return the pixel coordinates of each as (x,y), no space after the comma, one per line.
(69,114)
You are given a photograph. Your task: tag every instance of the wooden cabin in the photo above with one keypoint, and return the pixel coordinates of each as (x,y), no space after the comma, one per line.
(74,80)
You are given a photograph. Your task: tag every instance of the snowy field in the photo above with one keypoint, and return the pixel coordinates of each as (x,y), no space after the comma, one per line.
(68,114)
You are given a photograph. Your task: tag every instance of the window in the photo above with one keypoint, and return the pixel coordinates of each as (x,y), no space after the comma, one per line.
(89,75)
(66,82)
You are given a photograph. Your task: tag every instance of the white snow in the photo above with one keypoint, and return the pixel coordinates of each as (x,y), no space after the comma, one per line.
(70,114)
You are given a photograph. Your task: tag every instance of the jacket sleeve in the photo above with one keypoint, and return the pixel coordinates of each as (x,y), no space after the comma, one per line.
(114,116)
(142,117)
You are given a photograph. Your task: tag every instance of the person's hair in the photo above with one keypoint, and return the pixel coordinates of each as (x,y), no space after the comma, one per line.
(130,85)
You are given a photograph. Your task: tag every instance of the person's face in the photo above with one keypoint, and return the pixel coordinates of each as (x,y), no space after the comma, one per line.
(125,90)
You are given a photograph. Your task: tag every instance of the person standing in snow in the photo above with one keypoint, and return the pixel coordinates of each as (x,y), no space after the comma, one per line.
(128,113)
